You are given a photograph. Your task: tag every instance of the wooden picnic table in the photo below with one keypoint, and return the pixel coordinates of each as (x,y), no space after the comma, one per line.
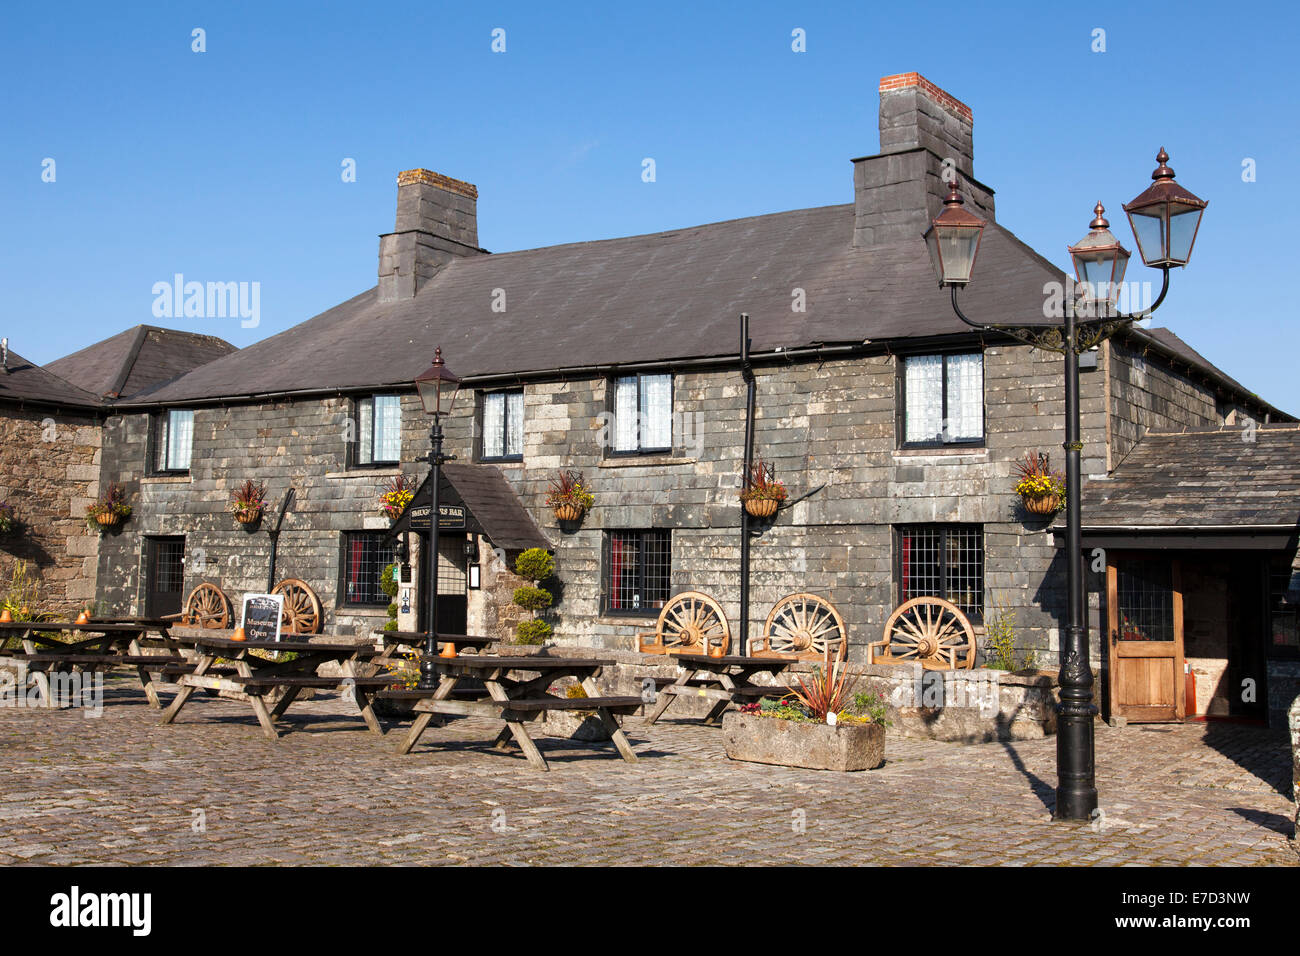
(104,644)
(720,679)
(417,639)
(516,694)
(255,678)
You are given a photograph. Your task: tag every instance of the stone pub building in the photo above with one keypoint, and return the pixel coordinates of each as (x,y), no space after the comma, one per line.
(620,359)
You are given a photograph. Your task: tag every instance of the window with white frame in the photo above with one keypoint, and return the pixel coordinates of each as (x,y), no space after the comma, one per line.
(173,441)
(379,430)
(643,414)
(503,425)
(943,399)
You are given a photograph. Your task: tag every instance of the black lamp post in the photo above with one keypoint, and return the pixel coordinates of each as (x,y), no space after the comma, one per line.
(1165,219)
(438,389)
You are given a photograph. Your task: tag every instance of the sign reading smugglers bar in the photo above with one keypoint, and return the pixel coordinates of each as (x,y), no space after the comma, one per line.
(450,517)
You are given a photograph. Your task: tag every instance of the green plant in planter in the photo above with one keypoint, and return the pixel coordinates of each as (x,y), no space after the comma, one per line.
(999,640)
(534,565)
(388,584)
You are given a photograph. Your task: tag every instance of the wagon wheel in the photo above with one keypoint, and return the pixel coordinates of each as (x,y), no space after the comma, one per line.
(207,606)
(931,632)
(301,607)
(806,625)
(693,623)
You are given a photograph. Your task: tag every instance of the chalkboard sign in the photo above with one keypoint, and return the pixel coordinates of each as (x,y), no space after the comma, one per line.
(260,617)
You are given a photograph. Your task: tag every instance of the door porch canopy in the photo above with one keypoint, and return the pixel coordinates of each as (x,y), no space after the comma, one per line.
(476,499)
(1230,488)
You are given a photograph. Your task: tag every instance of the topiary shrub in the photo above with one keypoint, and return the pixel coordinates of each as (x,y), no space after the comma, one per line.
(534,565)
(535,631)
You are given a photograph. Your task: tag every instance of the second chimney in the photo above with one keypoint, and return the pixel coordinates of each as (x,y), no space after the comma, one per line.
(437,221)
(924,133)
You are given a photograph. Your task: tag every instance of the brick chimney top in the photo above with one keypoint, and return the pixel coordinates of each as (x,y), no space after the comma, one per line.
(429,177)
(903,81)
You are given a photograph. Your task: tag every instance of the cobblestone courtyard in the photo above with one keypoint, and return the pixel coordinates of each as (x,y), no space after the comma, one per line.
(122,789)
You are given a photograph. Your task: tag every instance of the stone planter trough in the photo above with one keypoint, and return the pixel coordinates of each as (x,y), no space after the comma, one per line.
(807,745)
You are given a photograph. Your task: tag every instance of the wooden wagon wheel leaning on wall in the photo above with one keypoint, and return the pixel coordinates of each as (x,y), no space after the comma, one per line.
(690,623)
(207,606)
(301,607)
(928,631)
(803,627)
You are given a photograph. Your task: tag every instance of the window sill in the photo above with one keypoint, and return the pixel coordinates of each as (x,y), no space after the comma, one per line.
(166,480)
(645,622)
(363,610)
(645,461)
(963,451)
(386,471)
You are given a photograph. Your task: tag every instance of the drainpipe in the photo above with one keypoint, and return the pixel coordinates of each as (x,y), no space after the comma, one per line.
(275,539)
(747,371)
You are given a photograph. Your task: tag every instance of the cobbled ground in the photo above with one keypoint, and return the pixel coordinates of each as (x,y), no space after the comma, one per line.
(211,790)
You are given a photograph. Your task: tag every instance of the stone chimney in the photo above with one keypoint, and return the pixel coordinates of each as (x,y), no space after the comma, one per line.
(925,133)
(437,221)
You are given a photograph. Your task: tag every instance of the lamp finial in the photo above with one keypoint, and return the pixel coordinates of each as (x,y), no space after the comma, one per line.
(1100,221)
(1162,171)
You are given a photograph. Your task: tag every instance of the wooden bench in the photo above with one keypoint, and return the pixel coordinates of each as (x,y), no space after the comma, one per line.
(690,623)
(259,685)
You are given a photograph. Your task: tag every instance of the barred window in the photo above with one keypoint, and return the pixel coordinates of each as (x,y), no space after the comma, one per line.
(379,430)
(1284,608)
(643,413)
(638,571)
(945,561)
(173,440)
(1144,594)
(943,399)
(503,425)
(365,555)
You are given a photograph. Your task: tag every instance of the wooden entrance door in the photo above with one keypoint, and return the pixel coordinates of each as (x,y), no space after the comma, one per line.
(1145,603)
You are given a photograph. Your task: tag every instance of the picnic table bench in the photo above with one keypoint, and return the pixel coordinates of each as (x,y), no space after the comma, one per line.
(256,677)
(720,679)
(103,645)
(516,699)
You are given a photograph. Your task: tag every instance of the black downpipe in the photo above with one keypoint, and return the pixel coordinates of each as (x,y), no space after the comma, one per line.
(275,538)
(747,371)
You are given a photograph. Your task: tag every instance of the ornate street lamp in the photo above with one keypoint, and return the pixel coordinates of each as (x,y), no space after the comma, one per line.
(437,388)
(1165,219)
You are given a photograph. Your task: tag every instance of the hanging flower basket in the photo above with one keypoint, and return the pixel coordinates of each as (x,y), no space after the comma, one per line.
(568,511)
(569,496)
(397,494)
(1043,505)
(1040,488)
(762,494)
(109,510)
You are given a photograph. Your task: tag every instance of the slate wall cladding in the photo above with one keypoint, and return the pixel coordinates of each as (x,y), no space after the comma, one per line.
(830,424)
(49,472)
(299,444)
(1146,394)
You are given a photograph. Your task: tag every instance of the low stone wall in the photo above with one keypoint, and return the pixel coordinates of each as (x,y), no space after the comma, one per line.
(975,706)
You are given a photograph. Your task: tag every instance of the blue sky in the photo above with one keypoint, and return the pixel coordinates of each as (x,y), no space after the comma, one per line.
(225,165)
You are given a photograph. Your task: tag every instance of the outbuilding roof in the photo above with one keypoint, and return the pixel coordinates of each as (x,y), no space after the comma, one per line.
(138,359)
(24,381)
(1243,477)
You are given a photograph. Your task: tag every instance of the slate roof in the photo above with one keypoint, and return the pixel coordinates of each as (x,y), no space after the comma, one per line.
(138,359)
(495,509)
(668,296)
(1209,478)
(25,381)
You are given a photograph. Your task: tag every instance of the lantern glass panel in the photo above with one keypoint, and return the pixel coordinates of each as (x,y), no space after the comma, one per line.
(957,246)
(1183,221)
(932,245)
(1148,229)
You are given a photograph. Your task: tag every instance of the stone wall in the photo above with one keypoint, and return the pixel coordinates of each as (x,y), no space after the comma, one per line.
(49,473)
(1293,720)
(1148,394)
(829,427)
